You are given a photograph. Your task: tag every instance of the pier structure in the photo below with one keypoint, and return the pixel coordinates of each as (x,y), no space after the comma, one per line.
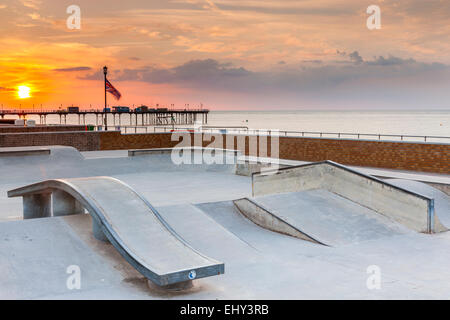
(151,117)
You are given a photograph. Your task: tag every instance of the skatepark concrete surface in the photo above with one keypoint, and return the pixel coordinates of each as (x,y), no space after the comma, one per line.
(196,201)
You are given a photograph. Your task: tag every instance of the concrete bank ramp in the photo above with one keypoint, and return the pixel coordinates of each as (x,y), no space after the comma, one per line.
(125,219)
(412,209)
(441,200)
(318,216)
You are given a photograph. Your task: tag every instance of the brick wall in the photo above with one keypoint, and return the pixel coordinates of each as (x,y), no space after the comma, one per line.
(113,140)
(83,141)
(38,128)
(378,154)
(425,157)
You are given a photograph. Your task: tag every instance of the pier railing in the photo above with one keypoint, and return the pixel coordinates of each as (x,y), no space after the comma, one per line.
(83,111)
(151,116)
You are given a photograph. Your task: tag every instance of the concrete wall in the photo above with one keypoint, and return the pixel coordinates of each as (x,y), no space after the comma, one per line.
(407,208)
(403,207)
(288,180)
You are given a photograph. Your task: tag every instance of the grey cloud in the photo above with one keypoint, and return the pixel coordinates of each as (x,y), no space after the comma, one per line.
(314,75)
(312,61)
(355,57)
(117,75)
(73,69)
(130,74)
(194,72)
(210,69)
(388,80)
(287,10)
(390,61)
(97,75)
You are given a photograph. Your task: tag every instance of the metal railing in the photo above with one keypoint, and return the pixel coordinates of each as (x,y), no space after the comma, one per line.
(218,129)
(126,129)
(282,133)
(364,136)
(314,134)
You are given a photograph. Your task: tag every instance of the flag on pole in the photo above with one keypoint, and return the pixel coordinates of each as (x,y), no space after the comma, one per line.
(110,88)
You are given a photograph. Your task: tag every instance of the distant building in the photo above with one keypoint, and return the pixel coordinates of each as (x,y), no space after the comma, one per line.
(121,109)
(142,109)
(73,109)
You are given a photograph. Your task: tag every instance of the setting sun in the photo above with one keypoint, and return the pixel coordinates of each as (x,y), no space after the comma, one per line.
(23,92)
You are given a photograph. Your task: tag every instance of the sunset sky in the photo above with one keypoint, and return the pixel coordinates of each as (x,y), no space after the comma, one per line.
(228,54)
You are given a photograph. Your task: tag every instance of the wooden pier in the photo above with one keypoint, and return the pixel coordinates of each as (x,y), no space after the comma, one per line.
(151,117)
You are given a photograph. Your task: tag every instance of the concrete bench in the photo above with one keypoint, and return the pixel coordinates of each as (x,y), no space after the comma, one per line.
(141,152)
(127,220)
(23,152)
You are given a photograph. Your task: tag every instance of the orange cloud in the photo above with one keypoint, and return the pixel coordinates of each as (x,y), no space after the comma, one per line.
(254,34)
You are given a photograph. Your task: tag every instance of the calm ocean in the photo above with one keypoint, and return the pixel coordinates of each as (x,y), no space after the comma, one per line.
(377,122)
(380,122)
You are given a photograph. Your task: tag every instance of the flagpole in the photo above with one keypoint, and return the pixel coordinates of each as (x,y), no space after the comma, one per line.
(105,72)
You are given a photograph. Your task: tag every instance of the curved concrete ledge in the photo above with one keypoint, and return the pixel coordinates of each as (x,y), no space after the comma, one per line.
(123,217)
(411,209)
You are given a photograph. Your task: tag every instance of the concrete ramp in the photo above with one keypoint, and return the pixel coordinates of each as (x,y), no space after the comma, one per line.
(318,216)
(441,199)
(125,219)
(214,239)
(412,209)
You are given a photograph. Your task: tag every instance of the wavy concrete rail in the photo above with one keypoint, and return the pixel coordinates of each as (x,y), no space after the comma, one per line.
(127,220)
(409,208)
